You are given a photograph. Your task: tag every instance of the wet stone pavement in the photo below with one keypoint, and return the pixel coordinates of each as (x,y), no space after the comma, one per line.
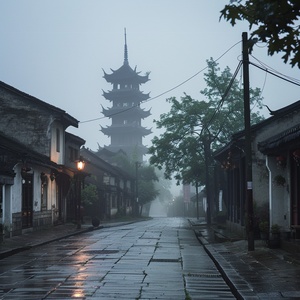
(154,259)
(265,274)
(268,276)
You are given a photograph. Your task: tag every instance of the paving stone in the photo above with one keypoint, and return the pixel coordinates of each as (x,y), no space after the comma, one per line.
(157,259)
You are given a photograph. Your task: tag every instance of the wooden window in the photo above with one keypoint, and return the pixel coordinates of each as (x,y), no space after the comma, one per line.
(73,154)
(44,191)
(57,140)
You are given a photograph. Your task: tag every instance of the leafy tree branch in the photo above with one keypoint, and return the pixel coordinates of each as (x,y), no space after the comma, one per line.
(273,22)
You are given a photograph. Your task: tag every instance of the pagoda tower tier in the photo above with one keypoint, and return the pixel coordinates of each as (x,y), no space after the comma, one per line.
(125,75)
(126,131)
(131,112)
(143,150)
(125,95)
(129,130)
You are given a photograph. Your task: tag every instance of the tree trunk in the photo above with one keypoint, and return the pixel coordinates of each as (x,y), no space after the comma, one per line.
(207,155)
(197,200)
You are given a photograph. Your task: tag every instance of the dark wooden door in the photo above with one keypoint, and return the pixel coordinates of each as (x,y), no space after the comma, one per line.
(27,200)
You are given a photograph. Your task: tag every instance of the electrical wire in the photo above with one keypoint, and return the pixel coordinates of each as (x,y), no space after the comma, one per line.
(274,72)
(152,98)
(221,102)
(261,91)
(264,68)
(276,75)
(182,83)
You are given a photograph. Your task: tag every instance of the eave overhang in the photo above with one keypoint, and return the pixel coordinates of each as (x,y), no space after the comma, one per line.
(134,110)
(125,95)
(281,141)
(125,74)
(113,130)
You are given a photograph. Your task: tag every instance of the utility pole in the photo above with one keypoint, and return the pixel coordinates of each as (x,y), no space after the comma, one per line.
(207,182)
(248,144)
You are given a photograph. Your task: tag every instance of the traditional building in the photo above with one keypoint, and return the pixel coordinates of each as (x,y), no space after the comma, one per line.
(115,187)
(37,163)
(126,131)
(275,172)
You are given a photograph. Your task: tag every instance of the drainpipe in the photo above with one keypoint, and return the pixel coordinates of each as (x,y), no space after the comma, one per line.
(270,191)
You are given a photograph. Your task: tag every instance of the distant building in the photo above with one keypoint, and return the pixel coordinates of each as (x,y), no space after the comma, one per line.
(115,186)
(126,131)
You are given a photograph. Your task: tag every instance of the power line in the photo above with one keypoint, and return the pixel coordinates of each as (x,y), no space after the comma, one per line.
(150,99)
(276,75)
(221,102)
(261,91)
(182,83)
(266,69)
(274,72)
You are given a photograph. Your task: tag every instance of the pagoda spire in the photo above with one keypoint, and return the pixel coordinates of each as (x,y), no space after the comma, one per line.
(125,50)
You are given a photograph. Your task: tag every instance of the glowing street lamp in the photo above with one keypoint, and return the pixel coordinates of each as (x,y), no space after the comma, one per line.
(80,164)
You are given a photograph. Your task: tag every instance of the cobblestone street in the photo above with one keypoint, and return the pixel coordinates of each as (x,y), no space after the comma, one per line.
(155,259)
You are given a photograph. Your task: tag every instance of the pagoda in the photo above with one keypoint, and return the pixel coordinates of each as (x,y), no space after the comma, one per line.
(126,132)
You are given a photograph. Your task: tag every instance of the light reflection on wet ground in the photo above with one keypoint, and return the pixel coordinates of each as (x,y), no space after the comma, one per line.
(157,259)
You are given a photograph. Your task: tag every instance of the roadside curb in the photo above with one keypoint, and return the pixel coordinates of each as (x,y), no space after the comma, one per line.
(239,287)
(237,284)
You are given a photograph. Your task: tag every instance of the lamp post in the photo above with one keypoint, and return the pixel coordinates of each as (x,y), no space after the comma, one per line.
(80,164)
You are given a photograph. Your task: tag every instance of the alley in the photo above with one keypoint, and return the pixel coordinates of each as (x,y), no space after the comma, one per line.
(155,259)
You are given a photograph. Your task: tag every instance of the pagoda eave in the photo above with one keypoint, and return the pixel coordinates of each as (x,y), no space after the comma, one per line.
(113,130)
(134,110)
(125,74)
(132,95)
(142,149)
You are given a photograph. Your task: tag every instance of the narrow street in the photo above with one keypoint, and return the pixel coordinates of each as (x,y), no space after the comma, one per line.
(155,259)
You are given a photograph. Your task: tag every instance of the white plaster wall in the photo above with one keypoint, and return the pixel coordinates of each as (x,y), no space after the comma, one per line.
(37,191)
(260,181)
(17,191)
(57,157)
(52,199)
(279,195)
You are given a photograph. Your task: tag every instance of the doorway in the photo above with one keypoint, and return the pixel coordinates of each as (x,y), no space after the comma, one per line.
(27,200)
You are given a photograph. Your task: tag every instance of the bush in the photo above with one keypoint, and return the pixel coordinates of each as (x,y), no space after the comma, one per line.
(264,226)
(95,222)
(275,228)
(90,200)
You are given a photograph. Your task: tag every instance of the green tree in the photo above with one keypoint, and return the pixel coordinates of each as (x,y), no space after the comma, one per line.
(194,129)
(90,200)
(273,22)
(163,186)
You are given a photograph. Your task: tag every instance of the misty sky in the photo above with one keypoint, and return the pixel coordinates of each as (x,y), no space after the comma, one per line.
(55,50)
